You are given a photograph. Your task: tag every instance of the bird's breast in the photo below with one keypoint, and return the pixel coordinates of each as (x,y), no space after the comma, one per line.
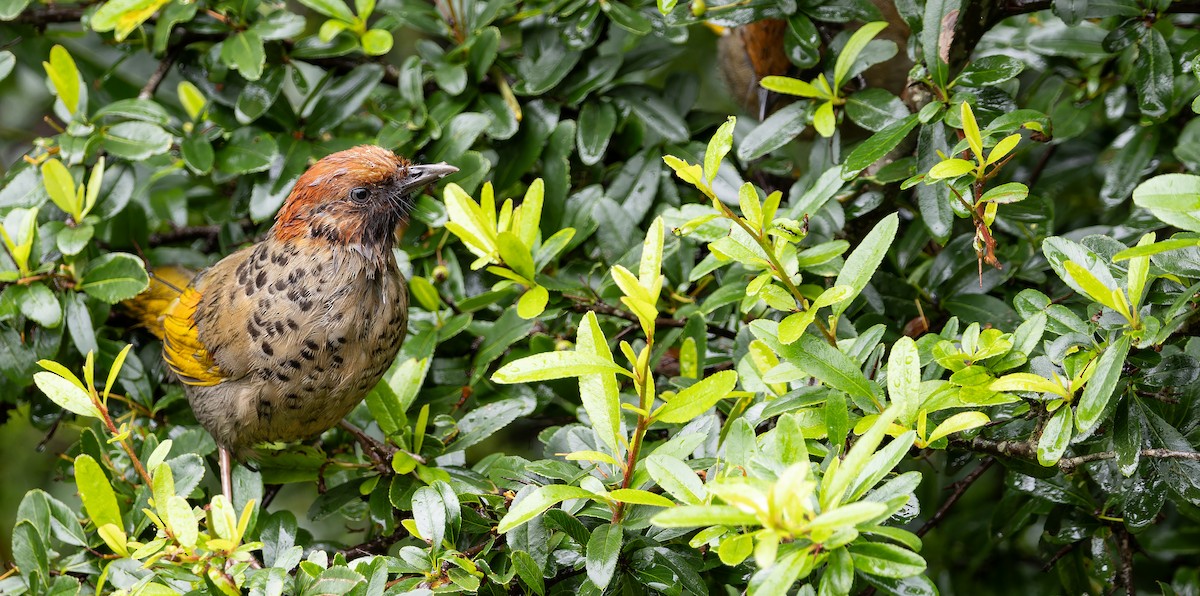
(308,331)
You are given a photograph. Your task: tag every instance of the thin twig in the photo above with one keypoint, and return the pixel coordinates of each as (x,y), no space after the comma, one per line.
(959,487)
(1062,552)
(52,13)
(582,305)
(377,545)
(1067,465)
(160,73)
(1028,451)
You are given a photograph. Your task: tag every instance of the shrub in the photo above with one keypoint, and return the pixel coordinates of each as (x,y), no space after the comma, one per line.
(753,357)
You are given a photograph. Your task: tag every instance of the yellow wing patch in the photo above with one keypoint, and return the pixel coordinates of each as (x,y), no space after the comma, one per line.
(183,351)
(166,284)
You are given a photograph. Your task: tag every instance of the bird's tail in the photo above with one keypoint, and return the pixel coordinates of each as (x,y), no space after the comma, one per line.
(166,284)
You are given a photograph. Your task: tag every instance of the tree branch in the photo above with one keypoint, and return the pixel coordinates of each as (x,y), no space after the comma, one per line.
(1027,450)
(959,487)
(606,309)
(378,545)
(51,13)
(160,73)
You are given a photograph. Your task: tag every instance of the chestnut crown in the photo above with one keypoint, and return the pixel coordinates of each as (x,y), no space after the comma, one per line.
(357,196)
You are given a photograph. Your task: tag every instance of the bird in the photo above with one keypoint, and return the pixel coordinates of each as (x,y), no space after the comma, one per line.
(281,339)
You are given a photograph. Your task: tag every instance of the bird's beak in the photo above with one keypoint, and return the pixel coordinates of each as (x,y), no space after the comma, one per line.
(422,175)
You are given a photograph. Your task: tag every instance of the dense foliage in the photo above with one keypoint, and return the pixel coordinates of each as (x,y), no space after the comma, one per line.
(897,337)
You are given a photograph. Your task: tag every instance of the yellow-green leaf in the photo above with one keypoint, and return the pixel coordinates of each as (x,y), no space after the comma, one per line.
(532,302)
(950,168)
(698,398)
(64,76)
(555,365)
(971,131)
(958,423)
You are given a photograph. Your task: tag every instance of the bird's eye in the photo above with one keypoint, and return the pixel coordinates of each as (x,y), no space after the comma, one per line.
(360,195)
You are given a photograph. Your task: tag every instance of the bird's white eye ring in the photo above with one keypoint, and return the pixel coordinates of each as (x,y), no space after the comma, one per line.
(360,195)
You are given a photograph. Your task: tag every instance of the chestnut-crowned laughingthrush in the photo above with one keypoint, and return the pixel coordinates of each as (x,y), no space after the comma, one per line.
(280,340)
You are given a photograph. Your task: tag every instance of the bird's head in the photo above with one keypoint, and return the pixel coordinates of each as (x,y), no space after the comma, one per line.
(354,197)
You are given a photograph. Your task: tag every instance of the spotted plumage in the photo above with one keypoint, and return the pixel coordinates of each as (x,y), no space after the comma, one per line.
(280,340)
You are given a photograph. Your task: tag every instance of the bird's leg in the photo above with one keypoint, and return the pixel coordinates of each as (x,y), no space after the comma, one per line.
(380,453)
(225,462)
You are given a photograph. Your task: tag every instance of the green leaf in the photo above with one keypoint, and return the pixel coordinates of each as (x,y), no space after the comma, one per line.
(939,20)
(533,302)
(1092,287)
(30,554)
(344,98)
(831,366)
(951,168)
(693,516)
(114,277)
(834,487)
(879,144)
(191,98)
(597,121)
(538,501)
(1100,387)
(7,60)
(244,52)
(779,577)
(904,380)
(627,18)
(515,254)
(529,572)
(123,16)
(635,496)
(248,150)
(66,394)
(776,131)
(958,423)
(862,263)
(599,393)
(603,550)
(1055,437)
(60,185)
(97,494)
(9,9)
(1009,192)
(1172,198)
(429,513)
(64,76)
(555,365)
(734,549)
(376,42)
(1028,382)
(874,109)
(698,398)
(334,9)
(824,120)
(484,421)
(1153,74)
(1145,250)
(136,141)
(990,71)
(848,515)
(854,46)
(886,560)
(37,302)
(790,86)
(675,477)
(718,147)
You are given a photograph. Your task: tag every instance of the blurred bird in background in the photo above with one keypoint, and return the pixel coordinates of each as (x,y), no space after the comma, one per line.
(280,340)
(755,50)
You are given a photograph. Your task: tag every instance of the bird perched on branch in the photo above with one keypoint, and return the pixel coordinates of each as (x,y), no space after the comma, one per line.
(280,340)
